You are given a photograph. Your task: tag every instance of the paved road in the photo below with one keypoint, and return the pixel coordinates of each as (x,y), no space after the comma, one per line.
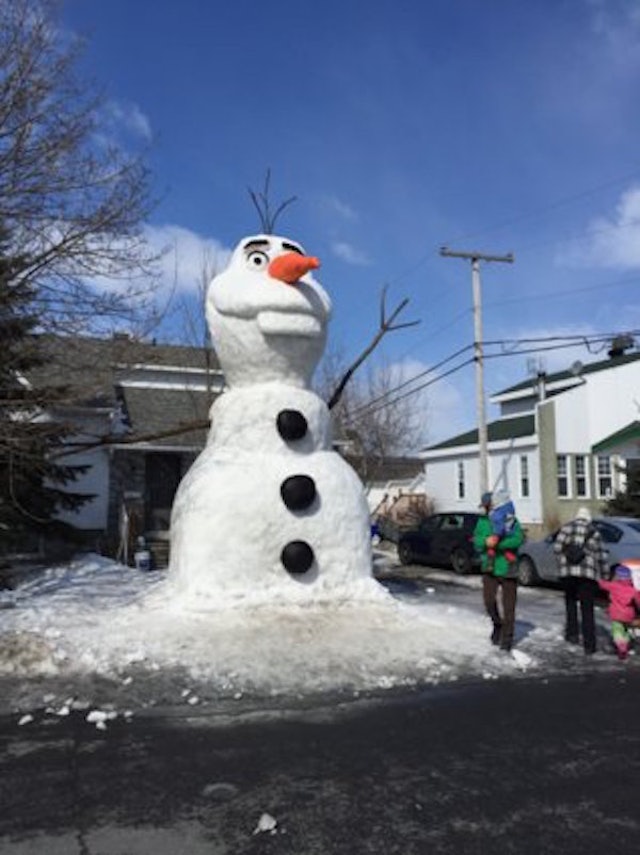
(520,766)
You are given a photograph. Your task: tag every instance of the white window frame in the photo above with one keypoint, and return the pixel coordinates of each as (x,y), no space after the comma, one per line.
(525,477)
(600,476)
(461,488)
(566,476)
(584,475)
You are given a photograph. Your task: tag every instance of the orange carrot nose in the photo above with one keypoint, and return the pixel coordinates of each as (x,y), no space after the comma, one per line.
(292,266)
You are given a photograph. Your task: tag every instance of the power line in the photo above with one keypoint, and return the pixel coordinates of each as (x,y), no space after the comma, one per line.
(389,403)
(580,238)
(577,337)
(566,200)
(568,293)
(522,217)
(412,379)
(564,342)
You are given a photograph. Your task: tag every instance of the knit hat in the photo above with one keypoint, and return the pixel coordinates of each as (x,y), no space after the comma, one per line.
(622,572)
(584,514)
(486,500)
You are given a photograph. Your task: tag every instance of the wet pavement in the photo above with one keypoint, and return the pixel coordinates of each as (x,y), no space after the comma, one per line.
(507,766)
(523,764)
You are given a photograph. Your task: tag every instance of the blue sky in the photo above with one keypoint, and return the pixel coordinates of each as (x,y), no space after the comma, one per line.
(504,126)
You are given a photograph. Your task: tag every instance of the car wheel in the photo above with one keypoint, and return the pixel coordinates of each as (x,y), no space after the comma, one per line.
(461,561)
(404,553)
(527,573)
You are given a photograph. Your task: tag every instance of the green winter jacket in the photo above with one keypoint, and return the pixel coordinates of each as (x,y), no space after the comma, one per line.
(509,543)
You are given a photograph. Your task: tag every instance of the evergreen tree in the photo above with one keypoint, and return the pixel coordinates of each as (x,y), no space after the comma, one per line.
(626,503)
(31,481)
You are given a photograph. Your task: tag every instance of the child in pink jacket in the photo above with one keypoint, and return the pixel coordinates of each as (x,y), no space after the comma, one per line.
(623,602)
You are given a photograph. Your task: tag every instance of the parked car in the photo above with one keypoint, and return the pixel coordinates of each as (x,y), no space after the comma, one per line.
(444,539)
(621,537)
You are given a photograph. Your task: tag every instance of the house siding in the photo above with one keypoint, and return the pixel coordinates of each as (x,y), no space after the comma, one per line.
(576,415)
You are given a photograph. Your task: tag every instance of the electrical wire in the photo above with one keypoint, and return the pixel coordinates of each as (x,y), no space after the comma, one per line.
(565,342)
(602,285)
(383,405)
(412,379)
(567,200)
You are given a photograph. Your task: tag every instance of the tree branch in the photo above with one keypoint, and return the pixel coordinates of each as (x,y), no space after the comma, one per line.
(131,439)
(386,325)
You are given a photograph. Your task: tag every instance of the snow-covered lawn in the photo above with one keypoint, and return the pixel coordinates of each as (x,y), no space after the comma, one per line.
(95,627)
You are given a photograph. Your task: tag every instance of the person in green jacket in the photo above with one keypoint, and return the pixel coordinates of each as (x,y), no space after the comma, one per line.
(499,565)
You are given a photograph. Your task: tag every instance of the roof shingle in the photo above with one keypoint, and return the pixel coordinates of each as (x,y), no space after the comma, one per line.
(501,429)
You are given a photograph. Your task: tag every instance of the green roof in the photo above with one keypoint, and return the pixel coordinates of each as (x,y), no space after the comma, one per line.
(589,368)
(630,431)
(499,430)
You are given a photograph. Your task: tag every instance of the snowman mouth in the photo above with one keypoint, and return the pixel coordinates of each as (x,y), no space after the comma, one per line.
(288,323)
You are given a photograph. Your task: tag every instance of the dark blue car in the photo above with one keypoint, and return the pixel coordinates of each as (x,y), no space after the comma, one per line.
(444,539)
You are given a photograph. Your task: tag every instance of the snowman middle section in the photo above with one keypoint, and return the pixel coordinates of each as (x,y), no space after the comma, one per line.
(268,510)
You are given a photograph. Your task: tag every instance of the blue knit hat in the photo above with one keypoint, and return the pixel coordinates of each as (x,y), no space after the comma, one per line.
(622,572)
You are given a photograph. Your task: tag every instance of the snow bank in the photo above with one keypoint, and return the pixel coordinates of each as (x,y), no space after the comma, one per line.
(97,617)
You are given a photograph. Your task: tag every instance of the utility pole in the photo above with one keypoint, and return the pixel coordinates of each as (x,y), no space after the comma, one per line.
(475,258)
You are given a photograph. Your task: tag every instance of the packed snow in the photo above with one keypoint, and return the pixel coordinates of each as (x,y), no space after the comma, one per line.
(269,510)
(281,602)
(96,632)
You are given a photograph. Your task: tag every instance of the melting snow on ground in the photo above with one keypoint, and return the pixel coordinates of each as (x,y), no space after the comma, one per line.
(96,619)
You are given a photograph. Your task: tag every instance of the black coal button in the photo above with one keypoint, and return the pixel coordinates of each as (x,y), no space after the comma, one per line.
(291,424)
(298,492)
(297,556)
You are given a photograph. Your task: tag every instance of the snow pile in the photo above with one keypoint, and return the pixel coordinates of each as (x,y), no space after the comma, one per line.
(96,617)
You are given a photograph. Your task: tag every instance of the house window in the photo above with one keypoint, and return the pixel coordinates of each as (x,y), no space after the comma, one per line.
(562,467)
(605,480)
(582,479)
(460,471)
(524,476)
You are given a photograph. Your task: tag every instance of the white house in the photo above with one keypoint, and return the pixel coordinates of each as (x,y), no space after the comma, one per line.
(560,442)
(139,412)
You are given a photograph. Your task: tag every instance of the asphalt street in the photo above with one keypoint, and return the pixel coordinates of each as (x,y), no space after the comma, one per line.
(516,766)
(544,764)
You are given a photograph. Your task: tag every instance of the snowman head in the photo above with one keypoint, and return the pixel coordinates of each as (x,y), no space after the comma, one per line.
(267,315)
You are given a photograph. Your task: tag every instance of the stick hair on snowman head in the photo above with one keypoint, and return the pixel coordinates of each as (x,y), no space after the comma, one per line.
(267,314)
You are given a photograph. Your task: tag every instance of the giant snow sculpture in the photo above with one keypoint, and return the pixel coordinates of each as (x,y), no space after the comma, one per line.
(268,511)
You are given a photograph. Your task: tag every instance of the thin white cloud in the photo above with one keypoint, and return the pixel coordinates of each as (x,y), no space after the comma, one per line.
(337,207)
(612,241)
(347,252)
(127,118)
(617,25)
(187,255)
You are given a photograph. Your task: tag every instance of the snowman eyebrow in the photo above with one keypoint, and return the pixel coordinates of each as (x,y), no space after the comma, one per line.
(253,243)
(292,247)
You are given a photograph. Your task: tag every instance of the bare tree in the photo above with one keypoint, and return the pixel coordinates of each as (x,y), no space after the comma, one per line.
(73,204)
(193,314)
(364,425)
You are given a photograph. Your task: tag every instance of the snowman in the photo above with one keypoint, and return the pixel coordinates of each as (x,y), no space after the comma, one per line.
(269,512)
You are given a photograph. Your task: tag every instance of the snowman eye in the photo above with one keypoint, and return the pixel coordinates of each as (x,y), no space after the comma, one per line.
(257,260)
